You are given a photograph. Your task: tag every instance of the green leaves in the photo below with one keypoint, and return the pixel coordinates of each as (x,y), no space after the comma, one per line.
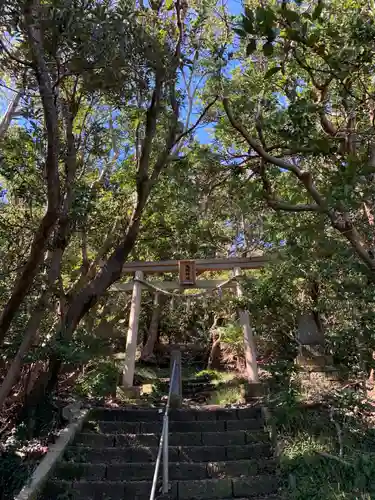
(240,32)
(268,49)
(263,24)
(272,71)
(290,16)
(266,18)
(251,47)
(318,10)
(169,4)
(248,23)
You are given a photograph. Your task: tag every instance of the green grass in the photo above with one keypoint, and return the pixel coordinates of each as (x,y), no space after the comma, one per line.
(215,376)
(226,396)
(230,390)
(327,449)
(310,458)
(313,476)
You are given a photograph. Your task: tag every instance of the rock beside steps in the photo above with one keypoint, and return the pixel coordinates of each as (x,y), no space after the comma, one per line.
(214,454)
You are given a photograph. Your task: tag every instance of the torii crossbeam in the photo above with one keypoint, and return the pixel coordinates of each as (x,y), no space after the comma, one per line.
(171,266)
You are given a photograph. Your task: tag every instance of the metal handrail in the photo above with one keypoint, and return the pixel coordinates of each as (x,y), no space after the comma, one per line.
(163,443)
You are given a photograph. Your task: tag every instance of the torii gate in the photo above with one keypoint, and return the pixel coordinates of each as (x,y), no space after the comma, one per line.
(188,271)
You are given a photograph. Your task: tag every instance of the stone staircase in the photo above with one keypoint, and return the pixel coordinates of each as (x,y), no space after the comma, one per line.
(214,454)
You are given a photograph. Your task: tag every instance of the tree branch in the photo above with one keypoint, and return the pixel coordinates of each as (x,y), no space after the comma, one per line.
(254,144)
(13,57)
(289,207)
(304,177)
(193,127)
(341,222)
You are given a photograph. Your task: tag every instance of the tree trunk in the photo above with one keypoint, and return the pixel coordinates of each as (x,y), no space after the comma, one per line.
(46,225)
(10,113)
(85,299)
(148,349)
(32,327)
(214,358)
(53,264)
(25,280)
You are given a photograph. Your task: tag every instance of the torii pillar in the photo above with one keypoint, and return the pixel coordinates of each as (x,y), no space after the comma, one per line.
(132,336)
(249,342)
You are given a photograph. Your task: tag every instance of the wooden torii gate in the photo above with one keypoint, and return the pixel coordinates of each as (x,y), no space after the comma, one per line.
(188,271)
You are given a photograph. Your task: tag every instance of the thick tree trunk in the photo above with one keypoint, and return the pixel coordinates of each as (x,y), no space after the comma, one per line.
(214,356)
(85,299)
(25,280)
(35,320)
(46,225)
(53,264)
(148,349)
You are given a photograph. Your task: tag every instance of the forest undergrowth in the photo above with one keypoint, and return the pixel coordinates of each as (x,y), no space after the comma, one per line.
(326,438)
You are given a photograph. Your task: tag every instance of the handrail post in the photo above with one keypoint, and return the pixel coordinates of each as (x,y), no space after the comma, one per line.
(165,454)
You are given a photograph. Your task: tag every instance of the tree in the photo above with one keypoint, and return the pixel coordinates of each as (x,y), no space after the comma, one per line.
(320,142)
(87,92)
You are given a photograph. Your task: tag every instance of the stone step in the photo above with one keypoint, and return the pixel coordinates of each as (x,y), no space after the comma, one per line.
(206,489)
(200,379)
(130,471)
(98,455)
(123,427)
(198,387)
(175,439)
(189,385)
(154,415)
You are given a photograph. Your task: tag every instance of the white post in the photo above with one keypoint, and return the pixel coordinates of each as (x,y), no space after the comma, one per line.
(249,343)
(132,337)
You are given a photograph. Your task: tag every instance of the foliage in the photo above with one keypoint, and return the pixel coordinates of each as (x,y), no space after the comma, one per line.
(231,389)
(309,447)
(325,447)
(11,482)
(98,380)
(208,375)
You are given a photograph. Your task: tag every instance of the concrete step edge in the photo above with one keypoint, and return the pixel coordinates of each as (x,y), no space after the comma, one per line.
(271,480)
(174,463)
(225,438)
(160,422)
(202,413)
(254,432)
(178,471)
(155,448)
(186,454)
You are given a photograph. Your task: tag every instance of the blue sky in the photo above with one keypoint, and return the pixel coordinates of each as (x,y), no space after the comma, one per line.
(235,6)
(204,134)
